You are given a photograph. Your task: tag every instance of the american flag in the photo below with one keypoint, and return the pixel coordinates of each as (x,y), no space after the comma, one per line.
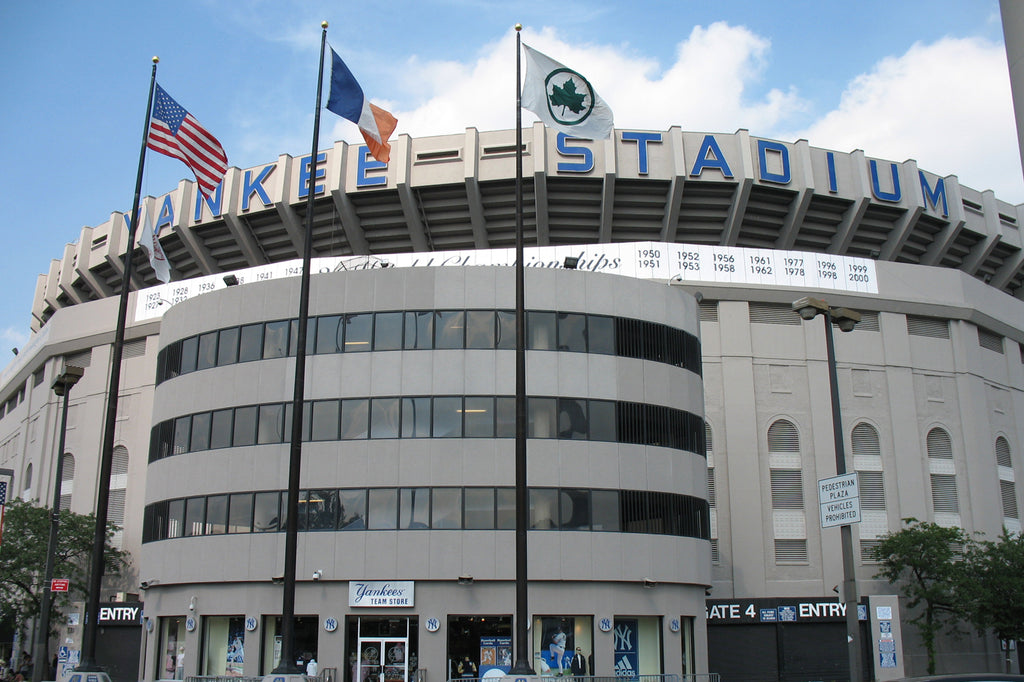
(175,132)
(3,493)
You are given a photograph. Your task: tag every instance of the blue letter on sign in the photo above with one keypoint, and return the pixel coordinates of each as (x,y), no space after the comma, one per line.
(763,147)
(584,166)
(166,215)
(709,147)
(641,140)
(933,197)
(250,187)
(305,164)
(885,196)
(213,202)
(368,163)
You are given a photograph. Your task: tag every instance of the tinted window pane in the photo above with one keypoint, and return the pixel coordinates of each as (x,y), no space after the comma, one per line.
(293,336)
(200,432)
(414,508)
(216,514)
(478,416)
(387,331)
(572,418)
(601,334)
(182,429)
(505,508)
(207,351)
(602,420)
(543,509)
(189,349)
(240,513)
(245,426)
(352,509)
(605,509)
(479,329)
(267,512)
(450,329)
(541,418)
(321,509)
(358,332)
(572,332)
(419,330)
(447,418)
(175,518)
(506,330)
(227,347)
(328,334)
(355,418)
(271,426)
(384,418)
(275,339)
(195,513)
(220,433)
(415,417)
(251,343)
(446,508)
(479,509)
(505,418)
(325,415)
(383,513)
(540,330)
(574,509)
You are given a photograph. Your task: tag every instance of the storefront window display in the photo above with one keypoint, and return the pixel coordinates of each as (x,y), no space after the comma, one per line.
(223,646)
(637,643)
(555,640)
(171,661)
(305,642)
(478,645)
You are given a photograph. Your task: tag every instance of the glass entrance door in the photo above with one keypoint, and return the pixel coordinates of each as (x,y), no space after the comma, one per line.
(383,659)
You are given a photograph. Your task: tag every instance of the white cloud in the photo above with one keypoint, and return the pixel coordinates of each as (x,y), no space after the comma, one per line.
(14,337)
(947,105)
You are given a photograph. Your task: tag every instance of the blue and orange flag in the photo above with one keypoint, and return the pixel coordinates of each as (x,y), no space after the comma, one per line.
(348,101)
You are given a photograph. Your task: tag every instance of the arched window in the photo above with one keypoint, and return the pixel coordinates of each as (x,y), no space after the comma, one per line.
(118,487)
(867,461)
(26,490)
(942,470)
(789,521)
(67,481)
(1007,486)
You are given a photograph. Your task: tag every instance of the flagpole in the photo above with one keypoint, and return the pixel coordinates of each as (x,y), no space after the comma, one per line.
(91,629)
(522,664)
(287,665)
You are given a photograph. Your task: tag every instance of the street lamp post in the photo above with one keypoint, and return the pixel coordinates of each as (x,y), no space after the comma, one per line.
(62,387)
(846,320)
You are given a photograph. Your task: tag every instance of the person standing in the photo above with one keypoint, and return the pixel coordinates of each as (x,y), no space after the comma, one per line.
(578,665)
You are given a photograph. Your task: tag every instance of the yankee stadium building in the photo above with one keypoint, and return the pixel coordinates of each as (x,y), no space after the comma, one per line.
(678,408)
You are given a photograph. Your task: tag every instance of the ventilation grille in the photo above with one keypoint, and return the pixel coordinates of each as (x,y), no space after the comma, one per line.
(83,359)
(990,340)
(787,489)
(932,327)
(791,551)
(772,313)
(1008,491)
(708,311)
(1003,453)
(134,349)
(944,497)
(872,490)
(867,551)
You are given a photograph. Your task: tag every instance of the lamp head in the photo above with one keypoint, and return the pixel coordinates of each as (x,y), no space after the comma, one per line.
(68,378)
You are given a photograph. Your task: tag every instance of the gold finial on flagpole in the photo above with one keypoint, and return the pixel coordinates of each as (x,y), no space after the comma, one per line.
(519,27)
(156,59)
(323,24)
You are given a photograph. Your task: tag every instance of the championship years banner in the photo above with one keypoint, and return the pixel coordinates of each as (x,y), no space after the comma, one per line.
(688,263)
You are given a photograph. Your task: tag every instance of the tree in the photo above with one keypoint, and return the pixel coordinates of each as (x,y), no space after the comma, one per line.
(23,559)
(994,596)
(925,561)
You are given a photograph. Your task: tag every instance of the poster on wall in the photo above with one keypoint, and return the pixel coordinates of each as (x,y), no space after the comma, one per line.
(556,645)
(236,649)
(627,654)
(495,655)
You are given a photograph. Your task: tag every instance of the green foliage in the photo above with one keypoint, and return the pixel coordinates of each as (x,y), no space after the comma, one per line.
(566,96)
(925,561)
(994,596)
(23,559)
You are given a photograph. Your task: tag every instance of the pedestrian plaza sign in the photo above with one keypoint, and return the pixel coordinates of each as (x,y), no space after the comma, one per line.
(839,500)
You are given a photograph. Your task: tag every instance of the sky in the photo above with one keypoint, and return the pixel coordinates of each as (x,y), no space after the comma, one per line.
(904,79)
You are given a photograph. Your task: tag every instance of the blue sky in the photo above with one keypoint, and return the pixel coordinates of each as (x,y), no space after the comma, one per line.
(920,79)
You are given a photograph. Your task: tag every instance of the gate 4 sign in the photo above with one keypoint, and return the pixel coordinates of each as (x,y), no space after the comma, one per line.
(839,500)
(60,585)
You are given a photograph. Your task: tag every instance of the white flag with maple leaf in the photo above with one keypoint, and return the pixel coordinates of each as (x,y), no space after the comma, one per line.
(564,99)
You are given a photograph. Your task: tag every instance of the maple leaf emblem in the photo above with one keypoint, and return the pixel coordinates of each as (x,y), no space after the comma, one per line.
(565,96)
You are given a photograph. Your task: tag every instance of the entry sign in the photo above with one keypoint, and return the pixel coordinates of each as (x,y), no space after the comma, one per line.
(59,585)
(839,500)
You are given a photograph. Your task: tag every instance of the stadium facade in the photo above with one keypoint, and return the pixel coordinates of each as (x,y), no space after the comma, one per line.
(679,412)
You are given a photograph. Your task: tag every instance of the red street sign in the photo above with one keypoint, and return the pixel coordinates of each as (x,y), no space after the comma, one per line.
(59,585)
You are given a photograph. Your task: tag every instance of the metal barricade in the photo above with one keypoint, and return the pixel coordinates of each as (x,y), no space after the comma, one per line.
(704,677)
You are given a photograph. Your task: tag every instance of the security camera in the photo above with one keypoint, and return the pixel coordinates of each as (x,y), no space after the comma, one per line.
(317,574)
